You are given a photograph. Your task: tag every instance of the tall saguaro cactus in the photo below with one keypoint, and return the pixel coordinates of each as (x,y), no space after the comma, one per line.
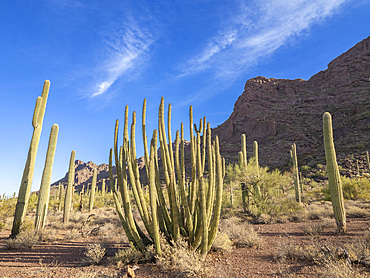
(335,185)
(26,183)
(297,185)
(44,193)
(93,189)
(69,189)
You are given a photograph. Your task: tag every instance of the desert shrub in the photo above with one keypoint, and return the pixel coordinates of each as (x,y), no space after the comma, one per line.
(133,256)
(241,233)
(276,198)
(180,261)
(317,228)
(320,210)
(26,238)
(6,209)
(222,242)
(289,252)
(94,253)
(353,189)
(73,234)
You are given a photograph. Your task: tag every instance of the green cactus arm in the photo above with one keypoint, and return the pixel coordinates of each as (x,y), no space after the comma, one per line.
(153,202)
(181,182)
(335,185)
(36,113)
(244,150)
(219,189)
(202,199)
(296,174)
(211,184)
(44,193)
(204,144)
(145,140)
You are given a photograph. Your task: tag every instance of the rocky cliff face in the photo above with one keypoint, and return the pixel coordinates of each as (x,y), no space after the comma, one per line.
(280,112)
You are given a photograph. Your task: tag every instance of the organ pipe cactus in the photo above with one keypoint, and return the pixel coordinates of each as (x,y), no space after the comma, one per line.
(93,189)
(26,183)
(44,193)
(335,185)
(172,210)
(60,196)
(69,189)
(297,185)
(367,161)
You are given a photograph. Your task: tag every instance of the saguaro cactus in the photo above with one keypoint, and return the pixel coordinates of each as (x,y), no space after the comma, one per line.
(69,190)
(43,201)
(297,185)
(93,189)
(335,185)
(26,183)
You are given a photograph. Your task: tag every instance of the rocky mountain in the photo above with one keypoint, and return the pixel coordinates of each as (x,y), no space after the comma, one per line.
(279,112)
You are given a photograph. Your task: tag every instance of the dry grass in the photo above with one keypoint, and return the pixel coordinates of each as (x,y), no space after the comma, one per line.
(94,253)
(26,238)
(241,233)
(222,242)
(314,229)
(180,261)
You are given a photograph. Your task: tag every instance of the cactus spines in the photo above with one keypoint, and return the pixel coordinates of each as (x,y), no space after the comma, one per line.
(44,192)
(335,185)
(69,189)
(26,183)
(297,185)
(93,189)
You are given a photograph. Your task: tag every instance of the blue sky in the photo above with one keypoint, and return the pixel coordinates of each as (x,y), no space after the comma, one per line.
(103,55)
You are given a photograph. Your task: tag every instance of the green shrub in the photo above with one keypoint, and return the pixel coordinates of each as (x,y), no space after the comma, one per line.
(353,189)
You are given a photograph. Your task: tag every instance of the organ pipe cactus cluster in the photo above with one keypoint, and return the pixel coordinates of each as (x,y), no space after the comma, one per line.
(44,193)
(26,183)
(335,185)
(69,189)
(173,209)
(297,185)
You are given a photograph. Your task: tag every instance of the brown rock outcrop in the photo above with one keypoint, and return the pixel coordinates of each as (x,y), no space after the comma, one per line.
(280,112)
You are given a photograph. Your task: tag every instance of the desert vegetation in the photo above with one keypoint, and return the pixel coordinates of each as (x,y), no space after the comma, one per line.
(188,214)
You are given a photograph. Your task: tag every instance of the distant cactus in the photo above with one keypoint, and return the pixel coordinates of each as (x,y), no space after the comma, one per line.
(69,189)
(335,185)
(44,193)
(367,161)
(26,183)
(60,196)
(297,186)
(257,189)
(93,189)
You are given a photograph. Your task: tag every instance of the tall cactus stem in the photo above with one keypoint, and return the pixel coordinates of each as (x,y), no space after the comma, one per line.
(69,189)
(44,193)
(335,185)
(26,183)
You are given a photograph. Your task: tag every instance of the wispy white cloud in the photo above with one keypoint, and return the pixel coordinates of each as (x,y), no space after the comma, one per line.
(259,30)
(126,48)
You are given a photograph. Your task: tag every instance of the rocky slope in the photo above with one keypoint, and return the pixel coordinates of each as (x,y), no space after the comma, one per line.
(280,112)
